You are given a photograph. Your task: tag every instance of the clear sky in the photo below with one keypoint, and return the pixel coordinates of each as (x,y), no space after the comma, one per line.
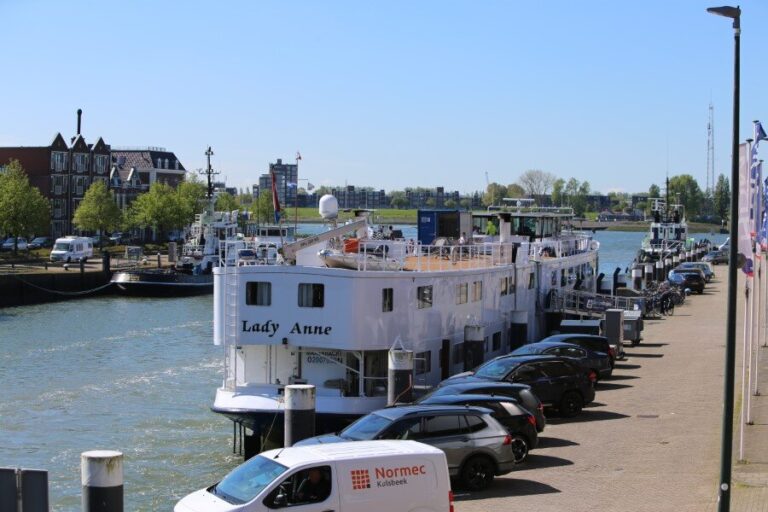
(390,94)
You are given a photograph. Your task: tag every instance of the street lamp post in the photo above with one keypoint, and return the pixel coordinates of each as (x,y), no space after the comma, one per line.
(726,447)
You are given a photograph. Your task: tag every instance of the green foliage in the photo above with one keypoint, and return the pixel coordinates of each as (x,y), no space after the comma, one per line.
(557,192)
(192,198)
(536,182)
(226,203)
(450,203)
(399,200)
(687,189)
(23,209)
(722,197)
(494,193)
(654,191)
(515,191)
(159,208)
(262,208)
(98,210)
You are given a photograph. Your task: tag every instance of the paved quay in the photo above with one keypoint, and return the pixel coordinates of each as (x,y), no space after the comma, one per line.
(651,440)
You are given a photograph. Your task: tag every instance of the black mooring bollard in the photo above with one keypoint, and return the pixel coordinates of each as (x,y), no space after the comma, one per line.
(299,413)
(102,480)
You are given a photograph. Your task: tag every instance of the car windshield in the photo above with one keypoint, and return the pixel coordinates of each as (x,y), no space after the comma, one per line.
(39,239)
(365,428)
(525,350)
(496,369)
(61,246)
(246,481)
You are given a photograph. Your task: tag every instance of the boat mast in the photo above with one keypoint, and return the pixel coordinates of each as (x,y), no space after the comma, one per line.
(209,172)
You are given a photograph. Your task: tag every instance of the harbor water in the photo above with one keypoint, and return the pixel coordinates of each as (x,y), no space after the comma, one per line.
(135,375)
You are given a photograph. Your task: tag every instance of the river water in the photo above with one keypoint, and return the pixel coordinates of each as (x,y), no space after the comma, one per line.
(135,375)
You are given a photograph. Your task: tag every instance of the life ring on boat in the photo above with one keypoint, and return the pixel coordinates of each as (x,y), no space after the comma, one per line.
(351,245)
(593,245)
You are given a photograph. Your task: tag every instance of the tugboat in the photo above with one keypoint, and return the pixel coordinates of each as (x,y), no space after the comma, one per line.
(192,275)
(668,232)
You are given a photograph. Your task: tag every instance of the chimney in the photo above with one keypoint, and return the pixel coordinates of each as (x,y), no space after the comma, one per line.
(79,116)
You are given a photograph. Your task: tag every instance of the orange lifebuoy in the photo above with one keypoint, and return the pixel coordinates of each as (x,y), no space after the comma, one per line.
(351,245)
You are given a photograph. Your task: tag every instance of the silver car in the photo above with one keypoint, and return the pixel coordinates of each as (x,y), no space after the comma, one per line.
(476,445)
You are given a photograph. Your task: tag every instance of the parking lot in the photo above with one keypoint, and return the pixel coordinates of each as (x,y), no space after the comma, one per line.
(651,440)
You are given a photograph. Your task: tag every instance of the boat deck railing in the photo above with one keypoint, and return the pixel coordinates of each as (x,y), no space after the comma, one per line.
(591,304)
(443,255)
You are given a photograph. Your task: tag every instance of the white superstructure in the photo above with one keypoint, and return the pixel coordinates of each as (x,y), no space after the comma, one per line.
(333,327)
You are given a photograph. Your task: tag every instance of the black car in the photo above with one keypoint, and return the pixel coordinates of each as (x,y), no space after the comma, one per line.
(558,382)
(520,423)
(40,242)
(594,360)
(687,278)
(590,341)
(520,392)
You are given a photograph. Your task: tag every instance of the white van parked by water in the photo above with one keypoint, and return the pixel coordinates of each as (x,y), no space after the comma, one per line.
(360,476)
(72,248)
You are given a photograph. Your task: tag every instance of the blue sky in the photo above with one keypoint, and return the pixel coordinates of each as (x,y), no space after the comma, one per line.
(390,94)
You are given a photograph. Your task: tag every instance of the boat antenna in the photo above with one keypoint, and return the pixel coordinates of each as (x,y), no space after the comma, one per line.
(209,172)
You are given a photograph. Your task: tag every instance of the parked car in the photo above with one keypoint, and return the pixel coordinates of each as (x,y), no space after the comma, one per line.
(118,238)
(476,445)
(598,362)
(520,392)
(691,278)
(715,257)
(590,341)
(40,242)
(705,267)
(520,423)
(20,245)
(558,382)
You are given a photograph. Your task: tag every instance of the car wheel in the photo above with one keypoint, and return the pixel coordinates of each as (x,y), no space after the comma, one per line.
(570,404)
(519,448)
(477,473)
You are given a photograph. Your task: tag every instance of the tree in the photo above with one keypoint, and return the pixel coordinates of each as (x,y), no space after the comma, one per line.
(536,182)
(687,189)
(191,195)
(159,208)
(722,197)
(494,193)
(263,208)
(466,203)
(23,209)
(450,203)
(430,202)
(98,210)
(226,203)
(515,190)
(557,192)
(399,200)
(654,191)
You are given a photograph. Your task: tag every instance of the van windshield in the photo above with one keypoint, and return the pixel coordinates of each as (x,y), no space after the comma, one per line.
(246,481)
(61,246)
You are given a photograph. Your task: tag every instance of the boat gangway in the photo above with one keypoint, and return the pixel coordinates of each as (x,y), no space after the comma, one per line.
(592,305)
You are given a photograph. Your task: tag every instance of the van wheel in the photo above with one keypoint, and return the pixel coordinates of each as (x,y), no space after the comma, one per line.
(570,404)
(477,473)
(519,448)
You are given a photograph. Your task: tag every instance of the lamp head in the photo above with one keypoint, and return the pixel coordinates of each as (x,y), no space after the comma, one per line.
(727,11)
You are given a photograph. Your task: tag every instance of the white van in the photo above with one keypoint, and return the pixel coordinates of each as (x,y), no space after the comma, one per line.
(359,476)
(72,248)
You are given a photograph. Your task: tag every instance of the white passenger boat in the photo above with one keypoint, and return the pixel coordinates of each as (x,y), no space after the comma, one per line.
(667,233)
(306,322)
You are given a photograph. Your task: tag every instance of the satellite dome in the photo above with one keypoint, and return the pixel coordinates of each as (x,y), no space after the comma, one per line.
(329,207)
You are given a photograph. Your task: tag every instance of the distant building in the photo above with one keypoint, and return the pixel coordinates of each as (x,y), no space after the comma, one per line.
(62,173)
(286,182)
(134,170)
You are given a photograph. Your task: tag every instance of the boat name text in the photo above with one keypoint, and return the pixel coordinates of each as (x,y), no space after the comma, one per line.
(270,328)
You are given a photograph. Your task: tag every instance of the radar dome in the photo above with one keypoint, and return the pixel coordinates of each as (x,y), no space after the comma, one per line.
(329,207)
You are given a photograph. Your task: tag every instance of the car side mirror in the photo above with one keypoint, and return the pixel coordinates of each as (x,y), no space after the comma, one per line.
(280,500)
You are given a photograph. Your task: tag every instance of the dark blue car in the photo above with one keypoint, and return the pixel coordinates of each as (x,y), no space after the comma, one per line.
(598,362)
(559,382)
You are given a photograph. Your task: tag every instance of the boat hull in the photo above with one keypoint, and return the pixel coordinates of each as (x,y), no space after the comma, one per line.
(164,283)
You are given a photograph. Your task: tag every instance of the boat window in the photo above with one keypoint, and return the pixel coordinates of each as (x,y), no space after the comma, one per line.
(246,481)
(258,294)
(311,295)
(511,283)
(462,293)
(531,280)
(422,362)
(477,291)
(496,341)
(563,280)
(503,287)
(386,300)
(424,296)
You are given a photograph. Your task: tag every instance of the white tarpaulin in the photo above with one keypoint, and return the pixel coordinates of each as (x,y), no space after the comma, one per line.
(746,223)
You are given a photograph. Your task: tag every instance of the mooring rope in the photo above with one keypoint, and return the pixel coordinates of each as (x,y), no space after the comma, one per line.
(84,292)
